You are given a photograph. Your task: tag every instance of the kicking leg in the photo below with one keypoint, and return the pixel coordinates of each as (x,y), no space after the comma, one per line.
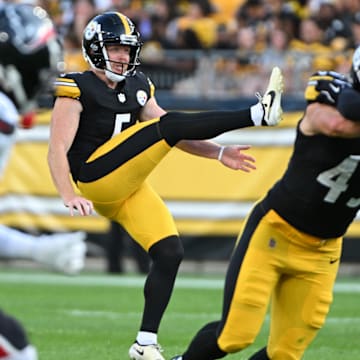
(139,149)
(176,126)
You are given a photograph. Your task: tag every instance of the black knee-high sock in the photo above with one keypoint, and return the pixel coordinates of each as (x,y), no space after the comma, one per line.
(204,344)
(260,355)
(166,257)
(176,126)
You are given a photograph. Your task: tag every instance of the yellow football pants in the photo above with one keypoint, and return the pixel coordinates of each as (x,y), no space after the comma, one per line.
(273,260)
(123,195)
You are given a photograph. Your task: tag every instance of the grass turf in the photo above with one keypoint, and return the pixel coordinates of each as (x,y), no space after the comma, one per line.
(96,316)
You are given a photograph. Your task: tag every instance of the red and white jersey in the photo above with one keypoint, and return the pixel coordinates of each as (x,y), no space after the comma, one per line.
(9,117)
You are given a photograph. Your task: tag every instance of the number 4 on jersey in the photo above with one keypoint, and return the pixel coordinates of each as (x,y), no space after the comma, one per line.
(336,179)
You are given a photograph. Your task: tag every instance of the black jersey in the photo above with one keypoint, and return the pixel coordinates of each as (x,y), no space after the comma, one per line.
(320,191)
(106,111)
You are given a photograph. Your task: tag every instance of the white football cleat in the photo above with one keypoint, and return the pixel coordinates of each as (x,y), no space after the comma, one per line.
(9,352)
(62,252)
(271,100)
(145,352)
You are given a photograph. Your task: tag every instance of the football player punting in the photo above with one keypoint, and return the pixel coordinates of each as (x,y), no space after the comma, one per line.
(109,133)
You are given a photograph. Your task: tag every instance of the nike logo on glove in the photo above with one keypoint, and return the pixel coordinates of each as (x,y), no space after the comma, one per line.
(335,89)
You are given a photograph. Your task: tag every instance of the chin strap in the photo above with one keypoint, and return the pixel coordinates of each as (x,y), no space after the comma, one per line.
(114,77)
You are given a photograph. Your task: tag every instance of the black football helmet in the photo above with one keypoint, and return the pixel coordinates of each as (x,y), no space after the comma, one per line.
(355,69)
(111,28)
(30,53)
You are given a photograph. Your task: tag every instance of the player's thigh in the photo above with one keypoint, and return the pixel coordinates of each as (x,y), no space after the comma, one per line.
(252,275)
(301,302)
(146,217)
(118,167)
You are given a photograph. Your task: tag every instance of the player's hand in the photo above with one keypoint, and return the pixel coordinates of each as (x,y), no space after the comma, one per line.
(83,206)
(234,158)
(325,87)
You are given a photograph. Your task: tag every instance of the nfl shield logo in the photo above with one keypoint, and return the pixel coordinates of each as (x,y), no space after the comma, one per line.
(121,97)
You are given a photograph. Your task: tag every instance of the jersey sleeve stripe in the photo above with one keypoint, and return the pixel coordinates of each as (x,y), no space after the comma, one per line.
(66,88)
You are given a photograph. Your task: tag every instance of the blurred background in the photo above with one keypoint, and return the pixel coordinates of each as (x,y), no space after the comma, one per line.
(201,55)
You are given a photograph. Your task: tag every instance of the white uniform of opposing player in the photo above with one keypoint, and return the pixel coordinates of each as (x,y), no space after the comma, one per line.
(28,50)
(29,55)
(9,115)
(63,252)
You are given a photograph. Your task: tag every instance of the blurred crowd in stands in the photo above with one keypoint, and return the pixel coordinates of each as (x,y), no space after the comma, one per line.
(223,47)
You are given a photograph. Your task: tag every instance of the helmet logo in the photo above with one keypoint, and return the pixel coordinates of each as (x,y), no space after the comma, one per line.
(141,97)
(94,47)
(90,30)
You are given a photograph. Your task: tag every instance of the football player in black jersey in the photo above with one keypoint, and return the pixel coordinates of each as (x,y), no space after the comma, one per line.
(290,246)
(108,131)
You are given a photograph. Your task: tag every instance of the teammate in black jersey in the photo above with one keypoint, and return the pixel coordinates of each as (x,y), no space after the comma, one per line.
(108,131)
(289,249)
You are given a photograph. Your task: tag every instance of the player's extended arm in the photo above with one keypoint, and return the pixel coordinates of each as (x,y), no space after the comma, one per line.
(63,127)
(232,156)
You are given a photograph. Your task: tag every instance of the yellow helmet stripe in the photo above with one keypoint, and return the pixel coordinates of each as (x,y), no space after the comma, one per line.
(125,23)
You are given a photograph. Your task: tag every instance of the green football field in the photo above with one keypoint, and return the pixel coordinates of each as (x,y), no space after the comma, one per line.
(96,316)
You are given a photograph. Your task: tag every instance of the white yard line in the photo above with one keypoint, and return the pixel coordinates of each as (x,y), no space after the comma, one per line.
(133,281)
(331,320)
